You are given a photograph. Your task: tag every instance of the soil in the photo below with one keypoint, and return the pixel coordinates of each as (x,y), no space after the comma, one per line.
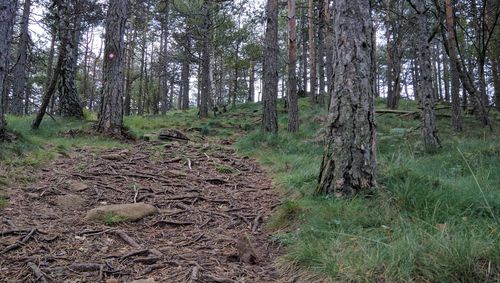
(212,206)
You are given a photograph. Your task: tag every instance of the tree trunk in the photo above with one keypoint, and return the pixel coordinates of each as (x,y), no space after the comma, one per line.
(270,69)
(184,105)
(446,77)
(303,29)
(111,109)
(293,108)
(205,64)
(321,53)
(19,78)
(429,129)
(69,27)
(7,15)
(130,71)
(251,83)
(328,48)
(164,58)
(349,163)
(312,52)
(455,80)
(140,101)
(495,68)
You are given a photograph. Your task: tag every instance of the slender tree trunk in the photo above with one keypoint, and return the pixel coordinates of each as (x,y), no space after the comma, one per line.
(446,77)
(349,163)
(455,80)
(429,128)
(7,15)
(111,109)
(140,102)
(205,64)
(303,29)
(270,70)
(495,68)
(251,83)
(321,53)
(184,105)
(293,108)
(312,52)
(89,40)
(164,59)
(94,78)
(21,66)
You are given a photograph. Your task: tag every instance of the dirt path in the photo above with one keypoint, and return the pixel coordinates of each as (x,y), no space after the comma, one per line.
(208,200)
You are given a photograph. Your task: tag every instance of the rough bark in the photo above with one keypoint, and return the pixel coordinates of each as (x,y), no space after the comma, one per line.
(69,28)
(184,97)
(349,163)
(455,80)
(21,66)
(129,75)
(312,52)
(111,109)
(429,128)
(293,108)
(303,29)
(7,13)
(270,70)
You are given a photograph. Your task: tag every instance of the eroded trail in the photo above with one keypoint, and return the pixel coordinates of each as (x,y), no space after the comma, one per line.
(208,199)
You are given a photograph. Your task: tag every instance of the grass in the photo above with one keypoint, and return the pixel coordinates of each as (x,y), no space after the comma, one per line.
(434,218)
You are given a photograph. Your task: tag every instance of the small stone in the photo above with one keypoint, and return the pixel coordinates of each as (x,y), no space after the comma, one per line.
(127,212)
(112,280)
(70,202)
(77,186)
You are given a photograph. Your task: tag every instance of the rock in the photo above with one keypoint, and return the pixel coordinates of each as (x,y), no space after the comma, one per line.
(127,212)
(70,202)
(172,135)
(77,186)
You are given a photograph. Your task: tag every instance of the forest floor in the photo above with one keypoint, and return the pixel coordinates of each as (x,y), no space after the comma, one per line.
(210,202)
(434,218)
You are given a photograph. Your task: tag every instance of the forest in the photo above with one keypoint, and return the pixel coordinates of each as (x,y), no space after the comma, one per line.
(249,141)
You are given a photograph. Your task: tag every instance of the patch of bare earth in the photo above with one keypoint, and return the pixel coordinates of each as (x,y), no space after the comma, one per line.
(208,228)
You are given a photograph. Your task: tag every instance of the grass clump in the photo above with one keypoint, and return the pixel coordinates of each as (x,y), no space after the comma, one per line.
(223,169)
(112,219)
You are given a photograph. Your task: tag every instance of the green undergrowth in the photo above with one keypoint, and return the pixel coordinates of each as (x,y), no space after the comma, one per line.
(434,219)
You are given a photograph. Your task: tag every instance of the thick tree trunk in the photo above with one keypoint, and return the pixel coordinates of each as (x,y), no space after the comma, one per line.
(7,15)
(349,163)
(111,109)
(455,80)
(69,27)
(20,70)
(270,70)
(429,128)
(293,107)
(312,52)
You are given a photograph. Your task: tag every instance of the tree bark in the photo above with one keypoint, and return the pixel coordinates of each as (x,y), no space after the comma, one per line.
(7,15)
(205,58)
(328,48)
(69,27)
(455,80)
(164,58)
(303,29)
(184,105)
(251,83)
(293,107)
(20,70)
(429,128)
(270,70)
(321,53)
(312,52)
(349,163)
(111,109)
